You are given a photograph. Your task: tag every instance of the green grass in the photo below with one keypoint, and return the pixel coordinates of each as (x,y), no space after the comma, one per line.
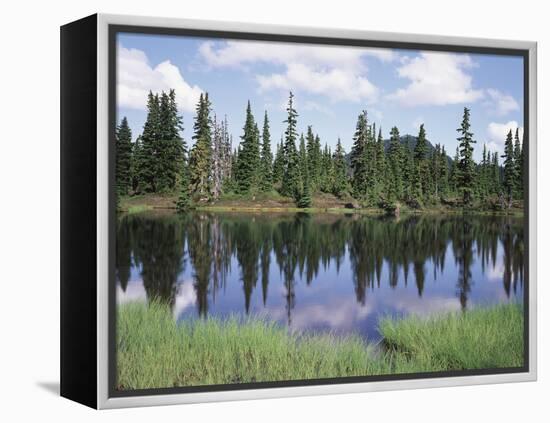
(139,208)
(153,351)
(480,338)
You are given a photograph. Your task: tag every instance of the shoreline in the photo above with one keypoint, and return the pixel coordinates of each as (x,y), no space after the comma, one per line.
(141,208)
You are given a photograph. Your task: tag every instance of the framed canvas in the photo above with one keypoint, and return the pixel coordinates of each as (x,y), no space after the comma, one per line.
(254,211)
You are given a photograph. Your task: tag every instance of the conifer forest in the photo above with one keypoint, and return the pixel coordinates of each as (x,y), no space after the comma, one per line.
(376,173)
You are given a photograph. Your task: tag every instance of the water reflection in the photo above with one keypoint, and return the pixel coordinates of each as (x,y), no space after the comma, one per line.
(318,271)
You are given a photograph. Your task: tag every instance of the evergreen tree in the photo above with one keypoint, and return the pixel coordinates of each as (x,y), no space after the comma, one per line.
(421,176)
(369,160)
(340,185)
(454,172)
(123,140)
(248,166)
(435,170)
(484,173)
(170,144)
(395,166)
(184,200)
(147,171)
(380,164)
(358,157)
(305,197)
(291,175)
(201,154)
(218,149)
(444,175)
(518,159)
(313,158)
(302,158)
(466,165)
(278,164)
(266,158)
(226,157)
(135,160)
(408,170)
(327,171)
(510,168)
(495,175)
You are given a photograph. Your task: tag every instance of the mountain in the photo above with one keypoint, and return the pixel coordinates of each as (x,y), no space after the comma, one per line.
(410,141)
(406,140)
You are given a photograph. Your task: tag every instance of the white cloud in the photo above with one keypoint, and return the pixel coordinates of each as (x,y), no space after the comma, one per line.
(436,79)
(337,84)
(496,134)
(185,298)
(136,78)
(500,103)
(332,71)
(314,106)
(239,53)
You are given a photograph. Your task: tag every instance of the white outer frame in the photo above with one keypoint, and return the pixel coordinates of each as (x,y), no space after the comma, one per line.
(103,400)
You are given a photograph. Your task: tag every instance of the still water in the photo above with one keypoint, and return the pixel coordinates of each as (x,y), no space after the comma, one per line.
(322,272)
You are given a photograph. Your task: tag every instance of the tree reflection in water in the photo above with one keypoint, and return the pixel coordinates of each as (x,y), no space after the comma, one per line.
(302,247)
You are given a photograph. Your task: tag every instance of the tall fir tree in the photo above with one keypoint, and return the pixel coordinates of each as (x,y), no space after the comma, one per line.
(435,172)
(484,173)
(226,157)
(291,176)
(170,143)
(369,160)
(200,157)
(135,160)
(184,199)
(380,164)
(147,171)
(302,158)
(518,159)
(305,197)
(421,175)
(266,158)
(218,149)
(453,182)
(495,175)
(466,165)
(248,165)
(313,158)
(279,164)
(395,166)
(444,175)
(340,185)
(123,139)
(358,157)
(510,168)
(327,171)
(408,170)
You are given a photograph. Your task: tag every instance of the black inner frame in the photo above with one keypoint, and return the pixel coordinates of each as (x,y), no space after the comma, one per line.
(113,30)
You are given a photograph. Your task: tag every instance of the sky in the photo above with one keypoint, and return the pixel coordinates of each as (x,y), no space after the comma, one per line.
(331,84)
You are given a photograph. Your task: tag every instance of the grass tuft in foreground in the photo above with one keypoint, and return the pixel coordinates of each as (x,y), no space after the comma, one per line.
(154,351)
(481,338)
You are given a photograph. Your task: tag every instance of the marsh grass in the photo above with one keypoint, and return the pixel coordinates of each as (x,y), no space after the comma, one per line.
(154,351)
(481,338)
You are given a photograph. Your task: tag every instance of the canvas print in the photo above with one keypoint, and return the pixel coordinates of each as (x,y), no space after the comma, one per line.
(301,212)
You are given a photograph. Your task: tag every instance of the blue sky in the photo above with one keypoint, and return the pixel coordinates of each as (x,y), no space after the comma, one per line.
(332,85)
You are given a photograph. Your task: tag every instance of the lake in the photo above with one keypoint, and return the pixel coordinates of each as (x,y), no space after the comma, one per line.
(318,272)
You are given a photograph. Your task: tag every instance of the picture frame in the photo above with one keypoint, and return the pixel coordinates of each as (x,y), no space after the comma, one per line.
(88,210)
